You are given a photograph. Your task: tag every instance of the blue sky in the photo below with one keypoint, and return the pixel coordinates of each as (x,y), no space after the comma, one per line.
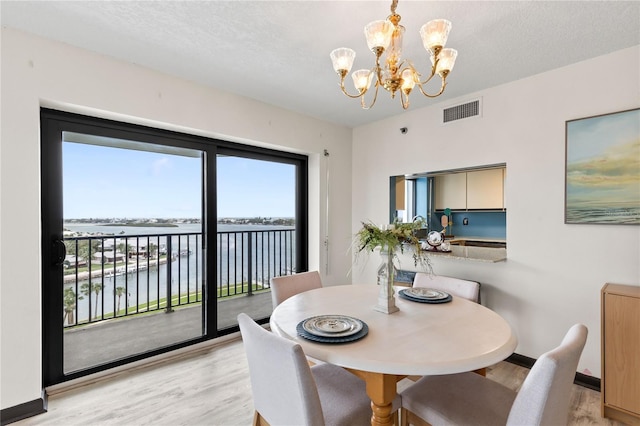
(109,182)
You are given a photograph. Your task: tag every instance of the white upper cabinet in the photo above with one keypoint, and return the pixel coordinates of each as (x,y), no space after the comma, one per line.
(472,190)
(451,191)
(485,189)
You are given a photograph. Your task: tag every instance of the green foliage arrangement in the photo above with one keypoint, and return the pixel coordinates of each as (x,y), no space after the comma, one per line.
(394,237)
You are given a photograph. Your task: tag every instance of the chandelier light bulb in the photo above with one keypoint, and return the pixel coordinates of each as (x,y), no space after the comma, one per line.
(342,59)
(446,61)
(361,79)
(408,80)
(434,34)
(378,34)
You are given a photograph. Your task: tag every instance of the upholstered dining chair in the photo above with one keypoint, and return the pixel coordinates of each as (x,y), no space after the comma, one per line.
(467,398)
(286,286)
(457,287)
(286,391)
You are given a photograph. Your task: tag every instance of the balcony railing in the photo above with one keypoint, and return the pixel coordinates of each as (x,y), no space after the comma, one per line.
(109,277)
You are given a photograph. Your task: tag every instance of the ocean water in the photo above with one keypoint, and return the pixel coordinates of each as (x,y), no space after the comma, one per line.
(624,216)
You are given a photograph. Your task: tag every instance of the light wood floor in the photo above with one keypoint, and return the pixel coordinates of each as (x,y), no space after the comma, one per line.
(212,387)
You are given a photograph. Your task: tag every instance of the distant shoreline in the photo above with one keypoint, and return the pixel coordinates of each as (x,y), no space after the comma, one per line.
(143,224)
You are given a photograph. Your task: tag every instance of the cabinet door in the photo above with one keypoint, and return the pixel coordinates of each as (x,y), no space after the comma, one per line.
(485,189)
(621,349)
(451,191)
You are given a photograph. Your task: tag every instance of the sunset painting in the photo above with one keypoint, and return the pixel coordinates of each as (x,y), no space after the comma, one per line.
(603,169)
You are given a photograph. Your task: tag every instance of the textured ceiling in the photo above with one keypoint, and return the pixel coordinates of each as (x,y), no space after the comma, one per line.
(278,51)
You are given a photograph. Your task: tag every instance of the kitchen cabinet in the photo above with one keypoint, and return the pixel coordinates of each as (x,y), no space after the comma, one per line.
(451,191)
(472,190)
(620,383)
(485,189)
(400,202)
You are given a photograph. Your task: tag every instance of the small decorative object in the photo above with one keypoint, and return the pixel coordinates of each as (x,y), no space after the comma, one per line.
(391,239)
(603,169)
(435,239)
(386,273)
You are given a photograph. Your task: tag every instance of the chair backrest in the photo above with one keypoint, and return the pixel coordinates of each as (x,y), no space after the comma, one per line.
(543,398)
(458,287)
(284,390)
(286,286)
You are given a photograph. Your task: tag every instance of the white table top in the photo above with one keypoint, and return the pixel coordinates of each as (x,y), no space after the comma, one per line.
(421,339)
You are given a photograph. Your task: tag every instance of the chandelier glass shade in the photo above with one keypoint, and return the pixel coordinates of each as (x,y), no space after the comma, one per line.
(396,74)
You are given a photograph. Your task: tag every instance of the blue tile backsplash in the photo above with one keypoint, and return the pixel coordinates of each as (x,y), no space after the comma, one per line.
(481,224)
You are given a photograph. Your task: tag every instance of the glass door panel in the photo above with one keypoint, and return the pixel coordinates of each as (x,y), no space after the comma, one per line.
(133,272)
(256,203)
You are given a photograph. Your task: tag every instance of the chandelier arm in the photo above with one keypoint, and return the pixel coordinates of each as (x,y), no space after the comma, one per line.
(433,73)
(444,84)
(344,90)
(375,97)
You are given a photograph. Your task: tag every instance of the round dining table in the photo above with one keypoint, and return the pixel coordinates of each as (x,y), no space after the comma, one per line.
(420,339)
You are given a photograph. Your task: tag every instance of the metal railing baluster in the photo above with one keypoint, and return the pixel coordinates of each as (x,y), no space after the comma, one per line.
(248,258)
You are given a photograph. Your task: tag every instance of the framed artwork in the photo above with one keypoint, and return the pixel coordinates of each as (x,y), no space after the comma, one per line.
(602,175)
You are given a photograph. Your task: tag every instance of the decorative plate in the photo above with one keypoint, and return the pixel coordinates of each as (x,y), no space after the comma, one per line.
(336,339)
(332,325)
(426,293)
(405,295)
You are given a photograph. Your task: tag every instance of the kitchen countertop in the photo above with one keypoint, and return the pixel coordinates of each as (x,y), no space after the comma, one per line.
(478,254)
(472,238)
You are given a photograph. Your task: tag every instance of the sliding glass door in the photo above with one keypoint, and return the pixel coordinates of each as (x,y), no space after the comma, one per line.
(132,217)
(256,204)
(154,240)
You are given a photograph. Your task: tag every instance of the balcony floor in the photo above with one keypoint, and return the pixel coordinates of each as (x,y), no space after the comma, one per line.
(110,340)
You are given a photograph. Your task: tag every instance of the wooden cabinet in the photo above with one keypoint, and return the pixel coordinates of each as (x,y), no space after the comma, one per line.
(485,189)
(400,182)
(451,191)
(620,384)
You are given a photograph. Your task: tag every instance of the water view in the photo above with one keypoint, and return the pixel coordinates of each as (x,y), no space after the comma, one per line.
(163,266)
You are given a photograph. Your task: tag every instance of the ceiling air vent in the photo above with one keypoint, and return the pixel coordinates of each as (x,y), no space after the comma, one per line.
(458,112)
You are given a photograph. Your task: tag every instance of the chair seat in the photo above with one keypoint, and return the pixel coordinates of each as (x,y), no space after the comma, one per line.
(343,397)
(450,399)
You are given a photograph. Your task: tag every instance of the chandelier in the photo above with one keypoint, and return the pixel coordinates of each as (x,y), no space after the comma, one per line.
(397,74)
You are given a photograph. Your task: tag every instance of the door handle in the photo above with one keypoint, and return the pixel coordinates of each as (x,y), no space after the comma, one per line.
(59,252)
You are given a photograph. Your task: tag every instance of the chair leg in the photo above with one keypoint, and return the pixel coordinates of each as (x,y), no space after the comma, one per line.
(403,417)
(408,418)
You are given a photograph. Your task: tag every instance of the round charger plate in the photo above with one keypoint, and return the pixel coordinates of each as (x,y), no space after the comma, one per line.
(333,340)
(426,293)
(407,296)
(332,325)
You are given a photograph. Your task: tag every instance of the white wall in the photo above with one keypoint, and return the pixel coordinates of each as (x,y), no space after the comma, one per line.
(554,272)
(37,72)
